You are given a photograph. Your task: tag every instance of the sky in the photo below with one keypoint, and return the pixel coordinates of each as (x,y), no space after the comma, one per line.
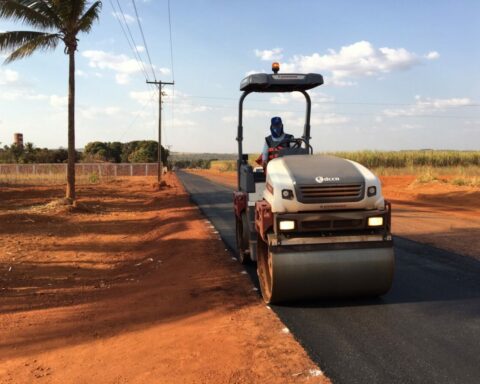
(398,75)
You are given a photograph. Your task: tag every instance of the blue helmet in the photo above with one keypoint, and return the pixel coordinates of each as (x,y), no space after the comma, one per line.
(276,127)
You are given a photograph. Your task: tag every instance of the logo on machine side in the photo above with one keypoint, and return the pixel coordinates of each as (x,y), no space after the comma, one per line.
(321,179)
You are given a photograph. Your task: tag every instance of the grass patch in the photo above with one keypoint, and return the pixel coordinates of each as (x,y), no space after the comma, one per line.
(50,179)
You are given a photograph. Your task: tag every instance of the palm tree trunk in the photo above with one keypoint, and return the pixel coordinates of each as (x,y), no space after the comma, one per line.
(71,128)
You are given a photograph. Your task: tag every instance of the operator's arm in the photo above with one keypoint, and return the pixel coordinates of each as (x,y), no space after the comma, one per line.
(265,153)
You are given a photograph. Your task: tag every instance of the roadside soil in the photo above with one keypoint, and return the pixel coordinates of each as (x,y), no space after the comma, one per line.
(437,213)
(131,286)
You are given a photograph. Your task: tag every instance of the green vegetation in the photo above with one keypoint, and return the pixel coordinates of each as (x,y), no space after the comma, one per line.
(202,164)
(199,160)
(408,159)
(384,160)
(224,165)
(30,154)
(143,151)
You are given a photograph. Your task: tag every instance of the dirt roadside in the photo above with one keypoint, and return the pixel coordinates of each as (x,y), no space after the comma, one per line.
(134,286)
(440,214)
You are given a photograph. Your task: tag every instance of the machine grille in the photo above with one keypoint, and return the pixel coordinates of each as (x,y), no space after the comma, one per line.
(318,225)
(315,194)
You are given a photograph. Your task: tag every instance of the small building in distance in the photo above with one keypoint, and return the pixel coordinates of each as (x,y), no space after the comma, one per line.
(18,139)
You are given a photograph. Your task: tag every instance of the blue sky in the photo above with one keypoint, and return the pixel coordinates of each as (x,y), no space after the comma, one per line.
(398,75)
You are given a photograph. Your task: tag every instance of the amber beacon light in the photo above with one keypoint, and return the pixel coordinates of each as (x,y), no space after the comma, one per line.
(275,67)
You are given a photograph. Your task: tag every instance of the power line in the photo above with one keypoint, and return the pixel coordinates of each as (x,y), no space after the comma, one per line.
(132,47)
(143,37)
(171,43)
(135,50)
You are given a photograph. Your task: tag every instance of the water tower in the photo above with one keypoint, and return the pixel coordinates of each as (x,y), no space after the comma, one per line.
(18,139)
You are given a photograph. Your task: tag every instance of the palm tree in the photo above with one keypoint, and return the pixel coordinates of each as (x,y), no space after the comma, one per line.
(54,21)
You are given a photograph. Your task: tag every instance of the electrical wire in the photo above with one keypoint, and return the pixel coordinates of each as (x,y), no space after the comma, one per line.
(144,40)
(135,50)
(171,40)
(132,47)
(172,110)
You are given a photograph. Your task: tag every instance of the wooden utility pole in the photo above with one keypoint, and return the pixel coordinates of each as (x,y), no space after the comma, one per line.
(160,164)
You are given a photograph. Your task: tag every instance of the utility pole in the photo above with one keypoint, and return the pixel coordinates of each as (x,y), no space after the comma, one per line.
(160,164)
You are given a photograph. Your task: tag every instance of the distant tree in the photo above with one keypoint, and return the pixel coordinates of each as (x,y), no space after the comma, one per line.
(139,151)
(141,155)
(115,151)
(55,21)
(97,151)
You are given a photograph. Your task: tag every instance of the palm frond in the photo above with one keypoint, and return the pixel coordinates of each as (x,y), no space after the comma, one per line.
(69,11)
(31,12)
(92,14)
(47,8)
(25,43)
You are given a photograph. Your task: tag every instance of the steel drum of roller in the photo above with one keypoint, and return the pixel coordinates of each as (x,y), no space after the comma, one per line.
(289,275)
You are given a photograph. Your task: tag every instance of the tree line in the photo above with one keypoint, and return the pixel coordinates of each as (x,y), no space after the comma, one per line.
(139,151)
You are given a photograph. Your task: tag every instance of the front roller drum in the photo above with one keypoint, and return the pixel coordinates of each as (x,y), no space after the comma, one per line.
(286,275)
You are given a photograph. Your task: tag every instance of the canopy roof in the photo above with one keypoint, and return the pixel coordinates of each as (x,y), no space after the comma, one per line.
(280,82)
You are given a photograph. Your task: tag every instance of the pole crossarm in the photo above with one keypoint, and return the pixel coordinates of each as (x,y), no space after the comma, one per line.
(160,164)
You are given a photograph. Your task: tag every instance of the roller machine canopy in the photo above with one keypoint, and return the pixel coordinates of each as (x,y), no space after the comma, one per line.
(285,82)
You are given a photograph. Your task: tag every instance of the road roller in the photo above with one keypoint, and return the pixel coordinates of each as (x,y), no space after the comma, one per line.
(316,225)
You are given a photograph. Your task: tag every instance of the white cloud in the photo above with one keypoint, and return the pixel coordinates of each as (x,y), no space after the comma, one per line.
(427,105)
(360,59)
(183,103)
(81,73)
(433,55)
(58,101)
(123,66)
(250,113)
(140,48)
(95,112)
(17,94)
(280,99)
(183,123)
(7,76)
(201,108)
(143,97)
(329,119)
(128,18)
(285,98)
(269,54)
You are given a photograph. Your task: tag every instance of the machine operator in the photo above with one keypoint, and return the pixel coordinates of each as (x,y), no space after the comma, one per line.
(274,142)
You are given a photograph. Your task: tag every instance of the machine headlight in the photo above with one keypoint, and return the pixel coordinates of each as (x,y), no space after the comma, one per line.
(371,191)
(287,194)
(375,221)
(286,225)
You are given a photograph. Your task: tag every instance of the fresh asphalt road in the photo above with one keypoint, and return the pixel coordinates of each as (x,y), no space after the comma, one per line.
(425,330)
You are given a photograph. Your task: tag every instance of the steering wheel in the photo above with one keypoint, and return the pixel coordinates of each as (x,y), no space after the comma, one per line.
(297,143)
